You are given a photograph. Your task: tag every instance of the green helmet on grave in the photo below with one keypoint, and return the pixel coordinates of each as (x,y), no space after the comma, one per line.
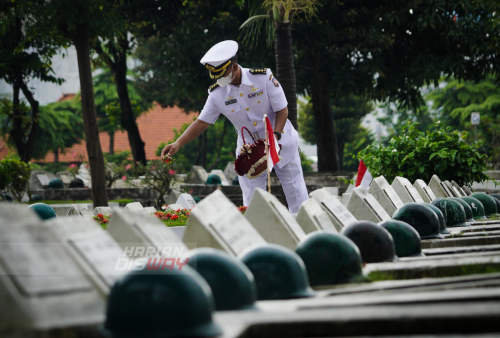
(160,303)
(497,201)
(43,211)
(279,272)
(454,213)
(36,198)
(236,181)
(468,211)
(232,284)
(330,258)
(475,206)
(421,218)
(490,207)
(56,184)
(497,196)
(406,238)
(374,242)
(213,180)
(442,223)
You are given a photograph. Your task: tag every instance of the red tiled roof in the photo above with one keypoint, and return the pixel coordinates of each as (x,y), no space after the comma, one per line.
(155,126)
(66,97)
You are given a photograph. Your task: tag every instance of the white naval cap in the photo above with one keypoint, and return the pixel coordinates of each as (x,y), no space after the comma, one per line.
(217,59)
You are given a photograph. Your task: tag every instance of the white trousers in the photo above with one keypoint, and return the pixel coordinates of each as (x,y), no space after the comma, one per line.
(291,178)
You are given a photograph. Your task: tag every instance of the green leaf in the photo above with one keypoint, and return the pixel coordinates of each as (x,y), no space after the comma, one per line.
(253,19)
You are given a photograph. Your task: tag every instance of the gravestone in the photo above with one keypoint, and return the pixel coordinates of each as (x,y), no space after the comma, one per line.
(468,190)
(273,220)
(134,206)
(336,211)
(84,175)
(311,217)
(187,201)
(82,210)
(230,172)
(438,188)
(406,191)
(174,207)
(424,191)
(92,248)
(220,173)
(42,180)
(147,210)
(332,190)
(459,188)
(217,223)
(65,177)
(365,207)
(106,211)
(41,288)
(453,190)
(172,196)
(385,195)
(143,235)
(198,174)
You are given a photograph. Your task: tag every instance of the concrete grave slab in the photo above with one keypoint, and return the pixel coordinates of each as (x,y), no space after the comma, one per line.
(273,220)
(461,249)
(198,174)
(103,210)
(134,206)
(454,191)
(144,235)
(93,249)
(148,210)
(332,190)
(65,177)
(365,207)
(406,192)
(460,241)
(40,286)
(311,217)
(82,210)
(338,213)
(459,188)
(187,201)
(468,191)
(174,207)
(424,191)
(230,172)
(439,188)
(385,195)
(217,223)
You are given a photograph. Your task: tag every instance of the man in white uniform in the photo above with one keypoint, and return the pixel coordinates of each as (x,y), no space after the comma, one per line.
(244,96)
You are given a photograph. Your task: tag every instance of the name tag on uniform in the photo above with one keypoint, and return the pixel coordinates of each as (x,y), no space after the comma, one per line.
(230,102)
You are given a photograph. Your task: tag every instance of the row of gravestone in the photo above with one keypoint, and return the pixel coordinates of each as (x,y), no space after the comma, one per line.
(215,223)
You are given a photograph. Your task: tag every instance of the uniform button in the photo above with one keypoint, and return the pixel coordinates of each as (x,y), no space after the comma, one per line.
(241,94)
(255,123)
(232,110)
(248,109)
(258,101)
(283,131)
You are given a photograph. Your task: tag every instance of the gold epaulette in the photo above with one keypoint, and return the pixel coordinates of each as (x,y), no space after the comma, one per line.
(256,71)
(213,87)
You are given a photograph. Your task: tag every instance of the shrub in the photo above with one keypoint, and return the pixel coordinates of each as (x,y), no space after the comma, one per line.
(419,155)
(14,176)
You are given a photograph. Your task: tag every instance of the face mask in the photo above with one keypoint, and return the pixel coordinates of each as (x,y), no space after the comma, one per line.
(224,81)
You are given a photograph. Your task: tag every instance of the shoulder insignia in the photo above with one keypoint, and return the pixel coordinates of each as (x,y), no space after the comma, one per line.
(213,87)
(258,71)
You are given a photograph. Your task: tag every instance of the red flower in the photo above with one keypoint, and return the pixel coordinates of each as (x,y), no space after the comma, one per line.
(101,216)
(174,217)
(105,221)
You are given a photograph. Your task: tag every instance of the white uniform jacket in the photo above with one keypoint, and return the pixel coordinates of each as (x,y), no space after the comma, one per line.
(259,93)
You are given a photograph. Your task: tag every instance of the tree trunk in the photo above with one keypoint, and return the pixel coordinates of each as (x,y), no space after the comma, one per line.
(326,136)
(128,120)
(81,40)
(56,155)
(111,143)
(285,70)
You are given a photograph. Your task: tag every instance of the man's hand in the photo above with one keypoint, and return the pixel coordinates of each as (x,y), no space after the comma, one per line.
(170,149)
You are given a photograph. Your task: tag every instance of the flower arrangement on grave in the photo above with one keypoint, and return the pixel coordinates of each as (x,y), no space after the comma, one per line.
(242,209)
(173,218)
(102,220)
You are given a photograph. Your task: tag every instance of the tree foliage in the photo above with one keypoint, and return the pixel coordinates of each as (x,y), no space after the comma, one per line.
(457,100)
(14,176)
(419,155)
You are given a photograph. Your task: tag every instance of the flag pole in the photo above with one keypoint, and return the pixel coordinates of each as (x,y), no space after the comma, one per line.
(267,154)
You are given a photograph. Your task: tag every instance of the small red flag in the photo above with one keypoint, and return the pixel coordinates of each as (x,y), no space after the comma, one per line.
(273,157)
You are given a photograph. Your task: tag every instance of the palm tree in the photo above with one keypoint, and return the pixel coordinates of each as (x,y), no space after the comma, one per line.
(280,13)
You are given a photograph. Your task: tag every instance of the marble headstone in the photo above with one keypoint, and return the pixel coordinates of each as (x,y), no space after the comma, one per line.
(365,207)
(147,210)
(230,172)
(407,192)
(220,173)
(134,206)
(217,223)
(82,210)
(198,174)
(273,220)
(92,248)
(41,287)
(103,210)
(311,217)
(424,191)
(139,235)
(453,190)
(336,211)
(459,188)
(186,200)
(385,195)
(174,207)
(439,188)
